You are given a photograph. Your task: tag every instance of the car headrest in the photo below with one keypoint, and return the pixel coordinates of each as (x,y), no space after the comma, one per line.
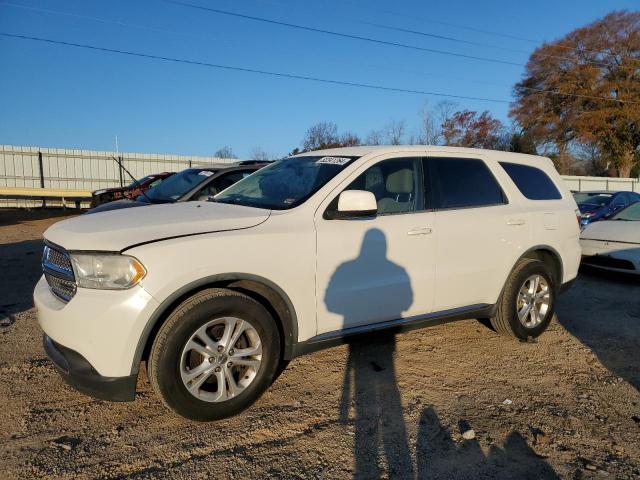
(400,181)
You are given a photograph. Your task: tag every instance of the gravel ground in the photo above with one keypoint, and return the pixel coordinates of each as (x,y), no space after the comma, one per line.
(451,401)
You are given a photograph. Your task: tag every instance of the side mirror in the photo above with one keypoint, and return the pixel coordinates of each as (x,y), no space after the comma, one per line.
(355,204)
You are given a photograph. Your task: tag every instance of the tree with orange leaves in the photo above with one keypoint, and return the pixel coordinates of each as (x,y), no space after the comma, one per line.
(468,129)
(585,88)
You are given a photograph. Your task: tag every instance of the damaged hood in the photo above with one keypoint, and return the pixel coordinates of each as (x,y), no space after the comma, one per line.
(119,229)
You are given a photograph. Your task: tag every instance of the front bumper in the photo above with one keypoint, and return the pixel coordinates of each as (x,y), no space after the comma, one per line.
(611,255)
(78,372)
(102,326)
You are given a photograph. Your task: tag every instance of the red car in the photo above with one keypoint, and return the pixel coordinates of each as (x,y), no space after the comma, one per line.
(130,191)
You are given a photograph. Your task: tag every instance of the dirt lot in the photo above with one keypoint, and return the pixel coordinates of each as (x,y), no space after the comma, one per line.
(567,406)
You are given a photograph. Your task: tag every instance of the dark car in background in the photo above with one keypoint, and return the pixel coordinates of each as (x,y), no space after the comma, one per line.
(601,204)
(133,190)
(197,183)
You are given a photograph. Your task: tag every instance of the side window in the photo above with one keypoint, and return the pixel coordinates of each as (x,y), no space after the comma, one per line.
(396,184)
(223,182)
(155,182)
(532,182)
(463,183)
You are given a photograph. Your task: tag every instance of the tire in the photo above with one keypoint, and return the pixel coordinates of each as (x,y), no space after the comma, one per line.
(179,349)
(507,321)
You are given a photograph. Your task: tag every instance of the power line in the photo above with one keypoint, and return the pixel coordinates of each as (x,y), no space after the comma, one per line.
(459,40)
(342,35)
(250,70)
(201,37)
(376,40)
(475,29)
(114,22)
(297,76)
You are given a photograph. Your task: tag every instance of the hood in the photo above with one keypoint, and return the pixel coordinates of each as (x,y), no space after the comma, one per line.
(117,205)
(117,230)
(613,231)
(110,190)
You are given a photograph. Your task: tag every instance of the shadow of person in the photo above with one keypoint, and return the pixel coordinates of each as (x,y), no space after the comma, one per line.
(380,431)
(439,456)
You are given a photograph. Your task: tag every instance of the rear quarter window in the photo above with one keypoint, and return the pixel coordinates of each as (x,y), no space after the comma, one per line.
(532,182)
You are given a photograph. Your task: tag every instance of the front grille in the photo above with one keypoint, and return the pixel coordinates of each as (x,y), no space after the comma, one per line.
(56,265)
(59,259)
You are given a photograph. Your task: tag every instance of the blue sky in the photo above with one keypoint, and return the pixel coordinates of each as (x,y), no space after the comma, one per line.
(62,96)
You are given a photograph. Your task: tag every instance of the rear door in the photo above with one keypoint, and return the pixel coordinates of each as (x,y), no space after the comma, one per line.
(478,228)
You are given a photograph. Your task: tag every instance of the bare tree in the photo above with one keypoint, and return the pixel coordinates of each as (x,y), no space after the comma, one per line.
(349,139)
(445,110)
(429,133)
(374,137)
(321,135)
(225,152)
(259,154)
(394,132)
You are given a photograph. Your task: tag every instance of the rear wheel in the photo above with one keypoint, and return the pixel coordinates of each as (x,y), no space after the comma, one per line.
(215,355)
(526,306)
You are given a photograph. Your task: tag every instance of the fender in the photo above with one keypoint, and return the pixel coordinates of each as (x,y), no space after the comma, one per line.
(289,321)
(549,249)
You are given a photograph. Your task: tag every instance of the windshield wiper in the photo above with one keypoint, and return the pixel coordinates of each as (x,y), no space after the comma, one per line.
(135,180)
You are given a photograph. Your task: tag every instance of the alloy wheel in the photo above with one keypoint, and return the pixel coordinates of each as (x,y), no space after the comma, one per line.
(221,359)
(534,299)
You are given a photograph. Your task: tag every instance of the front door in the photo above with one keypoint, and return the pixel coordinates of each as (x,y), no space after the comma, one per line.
(378,269)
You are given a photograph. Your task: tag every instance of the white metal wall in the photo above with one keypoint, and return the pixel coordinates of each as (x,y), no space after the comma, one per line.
(582,184)
(83,169)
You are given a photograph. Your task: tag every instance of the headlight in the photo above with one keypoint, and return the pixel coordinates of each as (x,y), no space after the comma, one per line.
(106,271)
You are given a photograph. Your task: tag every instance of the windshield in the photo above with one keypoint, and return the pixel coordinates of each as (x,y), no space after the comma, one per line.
(632,212)
(285,183)
(593,198)
(140,182)
(177,185)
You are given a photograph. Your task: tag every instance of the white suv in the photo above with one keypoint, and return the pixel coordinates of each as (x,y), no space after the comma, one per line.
(217,296)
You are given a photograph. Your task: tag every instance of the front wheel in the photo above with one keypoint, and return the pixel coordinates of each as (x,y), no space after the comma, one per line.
(525,308)
(215,355)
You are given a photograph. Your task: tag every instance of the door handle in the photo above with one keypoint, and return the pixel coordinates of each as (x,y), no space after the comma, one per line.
(516,221)
(419,231)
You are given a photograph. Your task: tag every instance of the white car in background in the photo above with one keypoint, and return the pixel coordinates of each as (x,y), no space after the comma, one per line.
(614,244)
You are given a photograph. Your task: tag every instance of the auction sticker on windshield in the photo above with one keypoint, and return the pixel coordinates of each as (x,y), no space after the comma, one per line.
(333,160)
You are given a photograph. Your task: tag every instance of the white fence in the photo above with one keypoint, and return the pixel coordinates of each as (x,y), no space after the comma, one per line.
(82,169)
(581,184)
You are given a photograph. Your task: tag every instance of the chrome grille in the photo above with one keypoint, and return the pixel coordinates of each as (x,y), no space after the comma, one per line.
(56,265)
(59,259)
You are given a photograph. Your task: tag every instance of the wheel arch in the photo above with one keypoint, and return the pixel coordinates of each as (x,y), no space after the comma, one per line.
(266,292)
(549,256)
